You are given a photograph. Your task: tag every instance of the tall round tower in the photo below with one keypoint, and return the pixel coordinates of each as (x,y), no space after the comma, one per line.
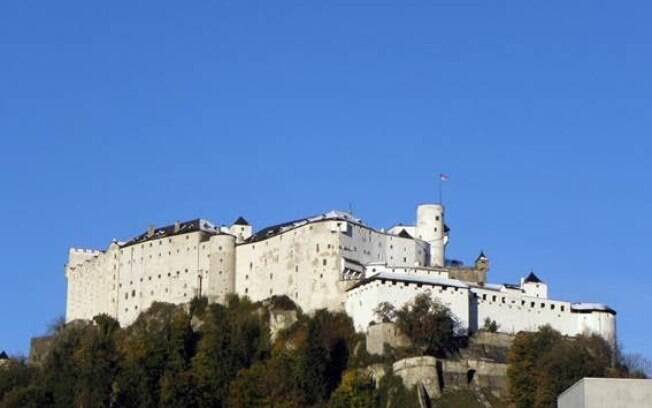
(430,228)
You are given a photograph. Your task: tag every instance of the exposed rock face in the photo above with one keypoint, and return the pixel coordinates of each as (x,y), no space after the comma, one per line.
(385,333)
(485,345)
(39,348)
(280,320)
(419,371)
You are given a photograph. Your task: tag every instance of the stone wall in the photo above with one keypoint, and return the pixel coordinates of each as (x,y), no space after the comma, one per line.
(385,333)
(463,374)
(419,371)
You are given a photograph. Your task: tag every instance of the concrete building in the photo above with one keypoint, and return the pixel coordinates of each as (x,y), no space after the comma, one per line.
(607,393)
(332,261)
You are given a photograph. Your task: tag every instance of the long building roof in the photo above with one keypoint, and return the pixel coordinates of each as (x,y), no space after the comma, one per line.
(404,277)
(197,224)
(273,230)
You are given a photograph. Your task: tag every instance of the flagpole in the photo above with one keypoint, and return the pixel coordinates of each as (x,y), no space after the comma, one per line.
(441,194)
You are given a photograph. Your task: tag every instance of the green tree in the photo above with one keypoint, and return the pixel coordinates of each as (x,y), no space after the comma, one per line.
(234,337)
(146,355)
(523,360)
(60,369)
(429,325)
(357,390)
(268,384)
(96,361)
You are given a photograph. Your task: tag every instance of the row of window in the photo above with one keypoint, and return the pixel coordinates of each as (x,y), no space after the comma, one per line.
(503,300)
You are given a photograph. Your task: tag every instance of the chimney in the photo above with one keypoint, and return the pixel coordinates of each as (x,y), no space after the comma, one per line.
(177,227)
(150,231)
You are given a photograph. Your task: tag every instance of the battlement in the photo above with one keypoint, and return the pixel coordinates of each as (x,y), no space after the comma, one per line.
(85,251)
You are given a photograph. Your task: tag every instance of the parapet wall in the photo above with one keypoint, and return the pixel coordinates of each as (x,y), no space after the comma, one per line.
(419,371)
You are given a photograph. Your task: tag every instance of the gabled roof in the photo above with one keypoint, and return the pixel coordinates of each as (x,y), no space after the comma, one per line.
(241,221)
(532,278)
(404,234)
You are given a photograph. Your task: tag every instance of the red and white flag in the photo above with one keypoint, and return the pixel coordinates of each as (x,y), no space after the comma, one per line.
(443,177)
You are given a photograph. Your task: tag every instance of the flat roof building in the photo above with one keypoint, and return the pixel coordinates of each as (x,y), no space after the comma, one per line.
(607,393)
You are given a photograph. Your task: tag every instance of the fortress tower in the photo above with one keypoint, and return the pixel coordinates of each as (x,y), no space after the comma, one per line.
(430,228)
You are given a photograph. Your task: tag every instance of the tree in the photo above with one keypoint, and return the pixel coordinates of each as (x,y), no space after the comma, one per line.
(234,337)
(60,369)
(357,390)
(385,312)
(544,364)
(96,360)
(429,325)
(268,384)
(523,361)
(490,325)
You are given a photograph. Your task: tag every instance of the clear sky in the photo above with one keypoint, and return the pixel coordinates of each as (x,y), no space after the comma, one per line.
(118,115)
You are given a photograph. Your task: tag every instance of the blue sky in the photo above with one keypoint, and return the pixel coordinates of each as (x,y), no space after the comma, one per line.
(119,115)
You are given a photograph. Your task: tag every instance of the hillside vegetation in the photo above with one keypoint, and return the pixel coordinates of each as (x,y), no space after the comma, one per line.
(223,356)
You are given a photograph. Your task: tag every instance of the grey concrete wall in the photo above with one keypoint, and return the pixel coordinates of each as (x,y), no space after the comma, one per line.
(607,393)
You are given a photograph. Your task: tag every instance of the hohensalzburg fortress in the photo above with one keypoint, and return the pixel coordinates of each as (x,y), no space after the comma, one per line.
(331,261)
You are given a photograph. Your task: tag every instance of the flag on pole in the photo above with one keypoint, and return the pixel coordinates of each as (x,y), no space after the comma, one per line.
(443,177)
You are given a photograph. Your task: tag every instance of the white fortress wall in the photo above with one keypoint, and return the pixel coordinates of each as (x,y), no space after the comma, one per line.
(422,271)
(174,268)
(302,263)
(516,312)
(398,290)
(595,319)
(219,277)
(89,288)
(314,261)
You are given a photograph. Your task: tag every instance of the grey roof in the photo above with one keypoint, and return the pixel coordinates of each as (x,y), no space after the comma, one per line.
(269,232)
(175,229)
(404,277)
(591,307)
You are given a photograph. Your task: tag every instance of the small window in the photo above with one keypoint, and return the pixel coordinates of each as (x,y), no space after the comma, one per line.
(324,262)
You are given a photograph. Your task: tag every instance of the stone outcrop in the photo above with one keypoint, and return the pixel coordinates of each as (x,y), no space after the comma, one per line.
(280,320)
(385,333)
